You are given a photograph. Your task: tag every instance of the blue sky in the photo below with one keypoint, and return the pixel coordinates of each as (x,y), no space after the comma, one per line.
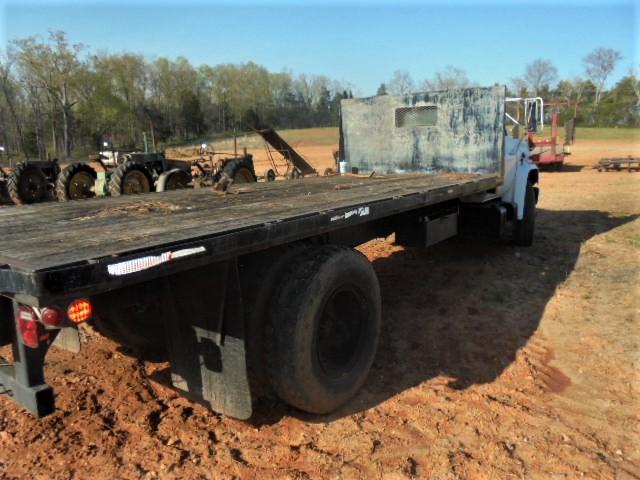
(358,42)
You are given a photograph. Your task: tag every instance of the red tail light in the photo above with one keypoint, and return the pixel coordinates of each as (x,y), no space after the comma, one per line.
(28,326)
(52,316)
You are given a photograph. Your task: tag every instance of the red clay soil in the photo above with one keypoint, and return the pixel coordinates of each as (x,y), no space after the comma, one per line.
(494,362)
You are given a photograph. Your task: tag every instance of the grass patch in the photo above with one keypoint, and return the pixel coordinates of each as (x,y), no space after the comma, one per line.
(296,137)
(594,133)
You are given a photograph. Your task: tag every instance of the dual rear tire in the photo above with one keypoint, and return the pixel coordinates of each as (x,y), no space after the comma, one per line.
(322,328)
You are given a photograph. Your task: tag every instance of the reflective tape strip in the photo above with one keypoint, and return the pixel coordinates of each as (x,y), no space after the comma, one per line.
(144,263)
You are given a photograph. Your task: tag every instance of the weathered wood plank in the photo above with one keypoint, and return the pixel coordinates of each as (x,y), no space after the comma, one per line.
(59,234)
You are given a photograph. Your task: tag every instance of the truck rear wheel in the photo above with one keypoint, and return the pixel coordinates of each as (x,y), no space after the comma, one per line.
(77,181)
(27,184)
(131,177)
(523,234)
(323,329)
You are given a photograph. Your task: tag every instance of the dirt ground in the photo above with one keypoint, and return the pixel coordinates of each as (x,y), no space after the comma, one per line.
(494,362)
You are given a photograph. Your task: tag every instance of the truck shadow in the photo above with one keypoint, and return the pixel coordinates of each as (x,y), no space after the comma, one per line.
(565,168)
(464,308)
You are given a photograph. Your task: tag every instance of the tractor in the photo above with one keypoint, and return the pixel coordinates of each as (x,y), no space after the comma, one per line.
(30,181)
(220,173)
(118,173)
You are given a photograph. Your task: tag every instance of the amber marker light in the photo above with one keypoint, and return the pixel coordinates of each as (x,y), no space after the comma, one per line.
(80,310)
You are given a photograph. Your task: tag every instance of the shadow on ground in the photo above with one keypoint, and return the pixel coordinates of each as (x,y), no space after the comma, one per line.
(464,308)
(461,309)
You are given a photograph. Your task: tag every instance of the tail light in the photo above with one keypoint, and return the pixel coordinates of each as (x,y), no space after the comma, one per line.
(28,326)
(52,316)
(80,310)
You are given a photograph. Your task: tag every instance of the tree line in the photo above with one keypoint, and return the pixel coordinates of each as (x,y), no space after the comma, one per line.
(58,99)
(584,98)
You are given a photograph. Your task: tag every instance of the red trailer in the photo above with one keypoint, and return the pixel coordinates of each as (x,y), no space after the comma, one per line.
(548,151)
(545,151)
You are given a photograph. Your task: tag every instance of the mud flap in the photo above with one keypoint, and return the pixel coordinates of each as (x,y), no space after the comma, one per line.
(68,339)
(205,336)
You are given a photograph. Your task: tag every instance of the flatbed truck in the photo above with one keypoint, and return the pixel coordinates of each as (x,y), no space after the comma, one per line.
(260,290)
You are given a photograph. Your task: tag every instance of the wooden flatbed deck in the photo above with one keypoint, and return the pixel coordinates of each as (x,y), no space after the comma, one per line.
(66,239)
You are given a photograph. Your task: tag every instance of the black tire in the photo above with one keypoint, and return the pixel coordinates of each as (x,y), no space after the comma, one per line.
(4,193)
(294,174)
(27,184)
(240,170)
(316,358)
(173,180)
(131,177)
(76,182)
(269,175)
(524,230)
(260,274)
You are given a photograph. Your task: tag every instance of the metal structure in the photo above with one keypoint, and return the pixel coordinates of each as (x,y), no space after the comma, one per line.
(629,163)
(295,165)
(451,130)
(545,151)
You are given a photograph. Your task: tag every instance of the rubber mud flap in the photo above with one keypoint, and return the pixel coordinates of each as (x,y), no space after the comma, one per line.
(69,339)
(205,336)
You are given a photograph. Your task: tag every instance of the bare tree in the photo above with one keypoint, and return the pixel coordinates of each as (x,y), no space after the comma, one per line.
(538,74)
(518,86)
(451,77)
(401,83)
(52,67)
(598,65)
(8,89)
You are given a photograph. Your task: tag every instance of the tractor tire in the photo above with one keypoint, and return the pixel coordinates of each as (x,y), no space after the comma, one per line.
(131,177)
(269,175)
(173,180)
(4,193)
(524,229)
(76,182)
(27,184)
(240,170)
(323,328)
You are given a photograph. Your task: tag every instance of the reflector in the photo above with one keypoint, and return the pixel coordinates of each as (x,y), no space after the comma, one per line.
(80,310)
(52,316)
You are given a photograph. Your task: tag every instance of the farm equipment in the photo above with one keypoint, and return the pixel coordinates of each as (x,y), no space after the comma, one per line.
(116,173)
(617,164)
(545,151)
(295,166)
(209,172)
(264,290)
(30,181)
